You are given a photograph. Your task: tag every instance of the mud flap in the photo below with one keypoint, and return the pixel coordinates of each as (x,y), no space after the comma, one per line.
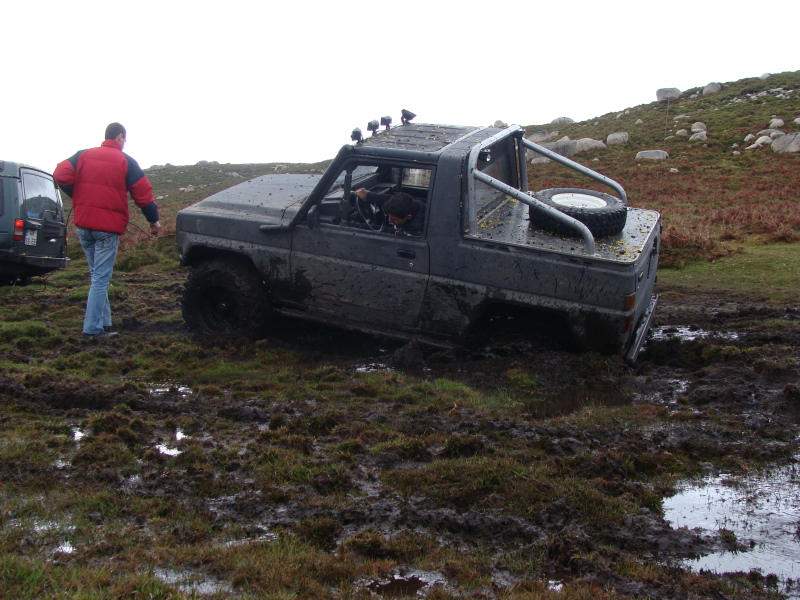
(641,332)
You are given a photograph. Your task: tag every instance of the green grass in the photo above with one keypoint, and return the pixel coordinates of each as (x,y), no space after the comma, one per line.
(770,272)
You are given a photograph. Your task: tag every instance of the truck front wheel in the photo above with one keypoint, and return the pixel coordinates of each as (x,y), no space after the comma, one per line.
(226,296)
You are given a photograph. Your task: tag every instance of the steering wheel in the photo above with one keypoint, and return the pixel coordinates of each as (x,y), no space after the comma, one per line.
(373,216)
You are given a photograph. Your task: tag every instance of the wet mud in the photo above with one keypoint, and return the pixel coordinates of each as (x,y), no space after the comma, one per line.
(721,375)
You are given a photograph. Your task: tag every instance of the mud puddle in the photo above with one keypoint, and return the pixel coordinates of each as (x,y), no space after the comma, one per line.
(758,514)
(408,584)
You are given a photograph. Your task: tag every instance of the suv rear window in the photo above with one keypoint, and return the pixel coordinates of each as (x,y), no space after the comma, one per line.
(40,195)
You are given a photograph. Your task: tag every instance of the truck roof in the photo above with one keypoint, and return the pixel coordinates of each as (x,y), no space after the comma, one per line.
(426,138)
(10,168)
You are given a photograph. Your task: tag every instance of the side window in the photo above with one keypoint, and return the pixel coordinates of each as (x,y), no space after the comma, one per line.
(3,181)
(383,181)
(40,196)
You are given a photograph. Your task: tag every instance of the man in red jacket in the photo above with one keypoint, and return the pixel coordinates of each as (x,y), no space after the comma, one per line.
(98,180)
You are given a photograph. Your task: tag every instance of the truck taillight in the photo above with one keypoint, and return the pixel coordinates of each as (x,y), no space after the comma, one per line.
(19,230)
(630,301)
(628,324)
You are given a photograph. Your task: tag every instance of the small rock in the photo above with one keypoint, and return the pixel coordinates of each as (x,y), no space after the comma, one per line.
(639,122)
(736,153)
(776,123)
(776,134)
(700,136)
(749,137)
(699,126)
(674,170)
(652,155)
(797,121)
(681,117)
(712,88)
(764,76)
(682,133)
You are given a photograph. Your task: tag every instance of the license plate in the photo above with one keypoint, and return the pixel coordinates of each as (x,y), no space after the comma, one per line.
(30,237)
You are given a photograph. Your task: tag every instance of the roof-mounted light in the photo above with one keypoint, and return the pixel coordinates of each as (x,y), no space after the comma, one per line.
(356,135)
(407,115)
(373,126)
(386,121)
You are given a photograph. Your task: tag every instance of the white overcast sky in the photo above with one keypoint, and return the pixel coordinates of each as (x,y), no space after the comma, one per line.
(256,82)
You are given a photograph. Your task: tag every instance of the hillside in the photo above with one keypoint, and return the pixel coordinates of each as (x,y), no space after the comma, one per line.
(713,202)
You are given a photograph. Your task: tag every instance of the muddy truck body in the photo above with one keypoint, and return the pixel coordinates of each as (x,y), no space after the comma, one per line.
(306,246)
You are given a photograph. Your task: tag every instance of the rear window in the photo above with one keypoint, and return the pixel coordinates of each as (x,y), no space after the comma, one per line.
(498,161)
(40,195)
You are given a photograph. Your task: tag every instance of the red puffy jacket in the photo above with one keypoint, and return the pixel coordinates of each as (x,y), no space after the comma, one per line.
(98,181)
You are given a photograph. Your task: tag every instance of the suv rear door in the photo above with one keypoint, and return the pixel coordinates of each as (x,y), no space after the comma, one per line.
(43,214)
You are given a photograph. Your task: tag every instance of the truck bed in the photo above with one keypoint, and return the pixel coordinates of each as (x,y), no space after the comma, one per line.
(509,224)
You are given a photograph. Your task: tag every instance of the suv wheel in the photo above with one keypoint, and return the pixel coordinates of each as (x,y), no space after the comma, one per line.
(603,214)
(226,296)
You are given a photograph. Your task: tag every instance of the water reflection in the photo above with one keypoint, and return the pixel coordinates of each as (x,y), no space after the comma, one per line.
(761,509)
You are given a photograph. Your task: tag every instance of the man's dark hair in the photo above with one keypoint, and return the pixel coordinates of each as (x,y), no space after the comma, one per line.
(113,130)
(399,205)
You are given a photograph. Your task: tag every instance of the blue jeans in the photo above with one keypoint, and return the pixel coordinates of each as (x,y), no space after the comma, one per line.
(100,248)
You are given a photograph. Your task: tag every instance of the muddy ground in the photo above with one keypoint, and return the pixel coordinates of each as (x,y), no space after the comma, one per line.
(719,379)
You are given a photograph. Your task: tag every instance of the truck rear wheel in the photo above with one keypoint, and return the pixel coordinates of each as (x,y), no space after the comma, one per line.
(226,296)
(603,214)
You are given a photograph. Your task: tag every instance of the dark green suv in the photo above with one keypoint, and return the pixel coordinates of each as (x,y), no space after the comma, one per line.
(33,225)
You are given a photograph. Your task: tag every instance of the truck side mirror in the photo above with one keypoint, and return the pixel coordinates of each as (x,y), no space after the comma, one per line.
(313,216)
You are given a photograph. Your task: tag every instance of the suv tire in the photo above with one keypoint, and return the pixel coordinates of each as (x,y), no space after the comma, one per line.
(603,214)
(226,296)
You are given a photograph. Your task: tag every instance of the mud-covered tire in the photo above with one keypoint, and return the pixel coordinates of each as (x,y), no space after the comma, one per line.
(226,297)
(603,214)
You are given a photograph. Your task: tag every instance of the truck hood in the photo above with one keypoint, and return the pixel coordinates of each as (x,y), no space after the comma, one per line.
(268,198)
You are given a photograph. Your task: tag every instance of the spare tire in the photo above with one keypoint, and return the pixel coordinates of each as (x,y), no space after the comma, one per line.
(603,214)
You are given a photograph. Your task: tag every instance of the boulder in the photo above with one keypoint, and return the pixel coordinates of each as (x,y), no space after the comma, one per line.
(764,139)
(776,134)
(764,76)
(667,94)
(712,88)
(787,143)
(682,133)
(639,122)
(767,132)
(749,137)
(797,121)
(586,144)
(564,147)
(617,138)
(561,121)
(538,137)
(776,124)
(700,136)
(652,155)
(681,117)
(699,126)
(499,124)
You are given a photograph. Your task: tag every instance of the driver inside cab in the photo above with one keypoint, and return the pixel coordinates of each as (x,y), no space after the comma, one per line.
(405,212)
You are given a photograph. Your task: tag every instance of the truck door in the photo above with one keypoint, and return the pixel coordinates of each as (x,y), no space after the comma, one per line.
(43,214)
(362,273)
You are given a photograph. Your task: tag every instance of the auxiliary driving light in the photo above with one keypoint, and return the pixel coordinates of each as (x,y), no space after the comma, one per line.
(386,121)
(373,126)
(407,115)
(356,135)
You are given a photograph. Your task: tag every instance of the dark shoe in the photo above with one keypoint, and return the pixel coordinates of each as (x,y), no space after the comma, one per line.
(104,335)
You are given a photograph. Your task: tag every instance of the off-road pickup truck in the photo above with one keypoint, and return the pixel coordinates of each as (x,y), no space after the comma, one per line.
(307,246)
